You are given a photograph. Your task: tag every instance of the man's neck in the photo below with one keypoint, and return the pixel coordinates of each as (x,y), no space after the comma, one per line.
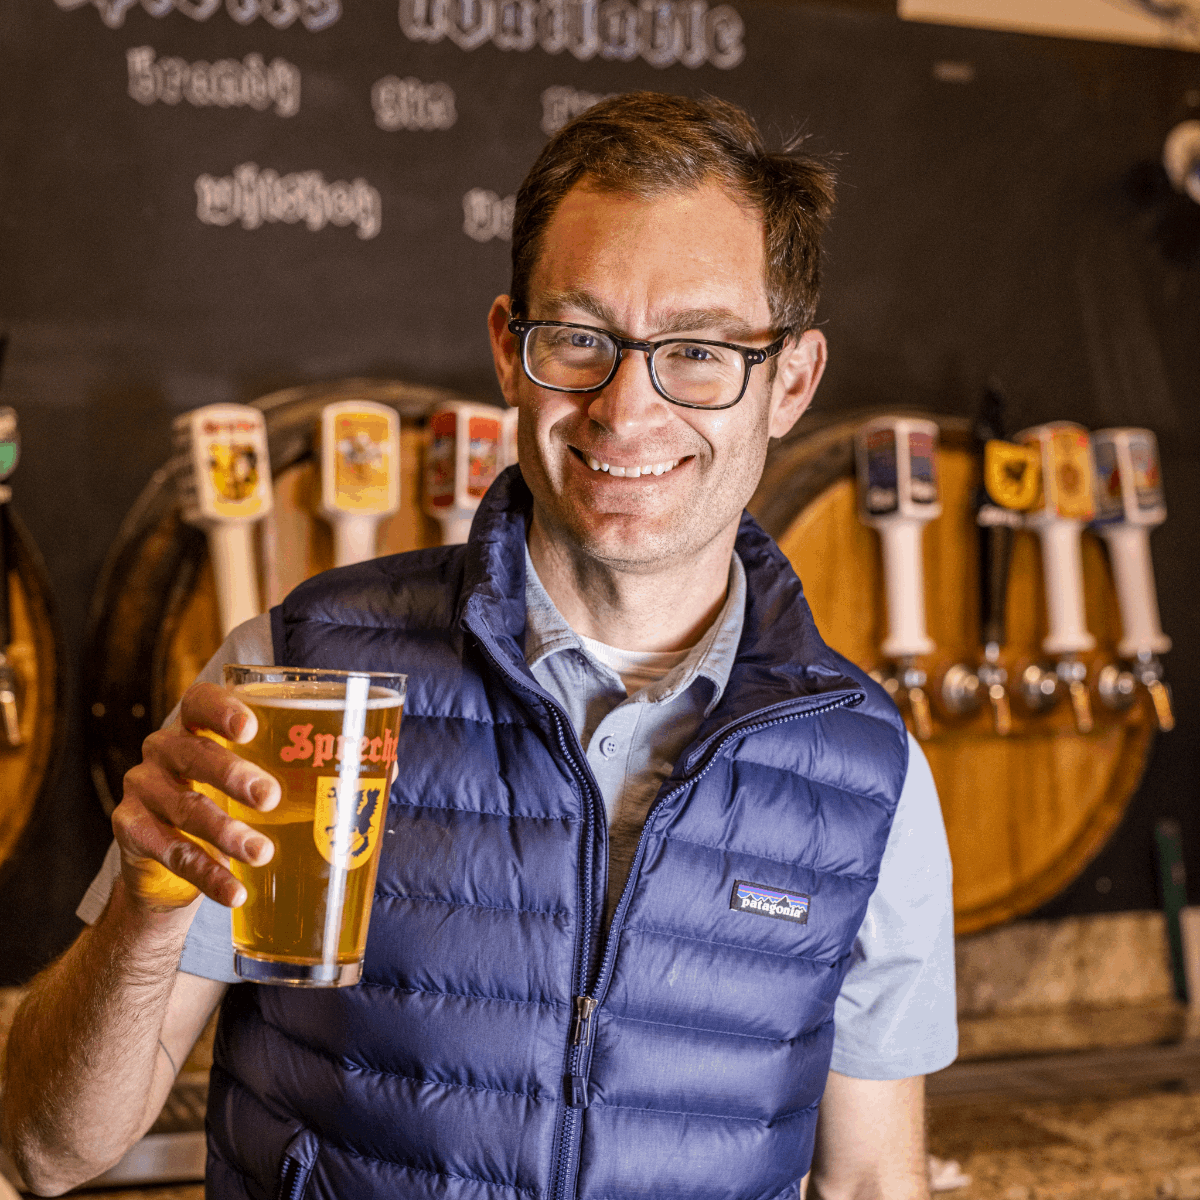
(663,606)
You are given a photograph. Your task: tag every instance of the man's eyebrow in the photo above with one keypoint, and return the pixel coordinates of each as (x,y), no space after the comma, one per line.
(732,325)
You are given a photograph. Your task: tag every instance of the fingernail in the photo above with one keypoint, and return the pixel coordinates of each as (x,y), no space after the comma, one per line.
(256,846)
(237,723)
(260,792)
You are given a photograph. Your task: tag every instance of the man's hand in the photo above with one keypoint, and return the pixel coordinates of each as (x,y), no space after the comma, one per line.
(870,1140)
(161,805)
(92,1051)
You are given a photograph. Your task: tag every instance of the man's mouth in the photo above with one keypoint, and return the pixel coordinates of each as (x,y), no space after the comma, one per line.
(634,472)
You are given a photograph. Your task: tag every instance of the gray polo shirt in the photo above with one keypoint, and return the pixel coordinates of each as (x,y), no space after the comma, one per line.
(895,1015)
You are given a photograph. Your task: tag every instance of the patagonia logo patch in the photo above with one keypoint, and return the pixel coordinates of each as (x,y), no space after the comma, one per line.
(769,902)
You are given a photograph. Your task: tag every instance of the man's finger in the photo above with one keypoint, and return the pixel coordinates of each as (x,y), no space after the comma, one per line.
(146,840)
(207,706)
(188,756)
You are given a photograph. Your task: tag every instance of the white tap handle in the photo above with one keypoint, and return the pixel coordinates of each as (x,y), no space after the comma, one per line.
(354,538)
(904,581)
(1129,552)
(1062,565)
(231,548)
(456,526)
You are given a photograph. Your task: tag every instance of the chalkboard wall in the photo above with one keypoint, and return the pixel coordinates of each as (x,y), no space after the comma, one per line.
(203,202)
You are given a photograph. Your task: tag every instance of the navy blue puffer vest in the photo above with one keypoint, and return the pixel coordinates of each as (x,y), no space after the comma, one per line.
(464,1067)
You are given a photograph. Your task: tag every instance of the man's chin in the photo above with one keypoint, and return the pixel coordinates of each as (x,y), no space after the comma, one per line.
(630,540)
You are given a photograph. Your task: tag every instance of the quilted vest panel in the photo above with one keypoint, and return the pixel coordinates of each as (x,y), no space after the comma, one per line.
(456,1069)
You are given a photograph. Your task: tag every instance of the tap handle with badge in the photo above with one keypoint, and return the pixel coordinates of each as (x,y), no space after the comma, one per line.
(225,488)
(898,496)
(1129,503)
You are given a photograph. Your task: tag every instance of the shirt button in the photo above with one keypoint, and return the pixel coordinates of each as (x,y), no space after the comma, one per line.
(608,747)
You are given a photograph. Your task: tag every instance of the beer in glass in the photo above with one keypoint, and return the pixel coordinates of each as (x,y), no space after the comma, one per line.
(329,737)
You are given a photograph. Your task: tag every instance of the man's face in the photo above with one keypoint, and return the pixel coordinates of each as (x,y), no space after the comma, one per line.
(686,264)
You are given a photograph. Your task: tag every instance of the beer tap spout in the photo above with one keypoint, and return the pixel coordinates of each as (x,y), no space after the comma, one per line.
(1073,674)
(905,682)
(993,680)
(1149,673)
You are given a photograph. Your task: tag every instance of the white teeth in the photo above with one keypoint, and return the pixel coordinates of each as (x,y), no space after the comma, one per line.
(632,472)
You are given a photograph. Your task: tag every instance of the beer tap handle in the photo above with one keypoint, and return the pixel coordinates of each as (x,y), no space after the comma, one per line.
(9,453)
(360,475)
(918,703)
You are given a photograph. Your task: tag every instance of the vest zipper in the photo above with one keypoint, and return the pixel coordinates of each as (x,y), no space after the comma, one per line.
(291,1181)
(574,1079)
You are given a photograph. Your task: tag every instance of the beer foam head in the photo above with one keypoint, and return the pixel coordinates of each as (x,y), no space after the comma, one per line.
(311,695)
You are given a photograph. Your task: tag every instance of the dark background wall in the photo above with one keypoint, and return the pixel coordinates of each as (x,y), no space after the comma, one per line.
(1002,215)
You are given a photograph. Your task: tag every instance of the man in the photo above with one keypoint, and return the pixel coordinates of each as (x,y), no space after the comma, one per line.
(621,722)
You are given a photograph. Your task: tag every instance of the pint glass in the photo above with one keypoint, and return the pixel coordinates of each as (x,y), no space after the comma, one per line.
(329,737)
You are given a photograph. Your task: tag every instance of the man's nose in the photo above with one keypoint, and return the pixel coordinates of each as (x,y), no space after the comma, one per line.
(629,405)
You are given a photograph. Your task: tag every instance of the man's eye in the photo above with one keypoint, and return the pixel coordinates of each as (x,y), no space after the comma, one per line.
(697,353)
(583,341)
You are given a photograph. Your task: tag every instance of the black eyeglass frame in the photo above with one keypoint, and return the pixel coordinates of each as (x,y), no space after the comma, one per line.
(751,356)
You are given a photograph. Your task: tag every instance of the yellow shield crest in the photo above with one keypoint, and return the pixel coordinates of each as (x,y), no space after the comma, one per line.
(1011,474)
(346,834)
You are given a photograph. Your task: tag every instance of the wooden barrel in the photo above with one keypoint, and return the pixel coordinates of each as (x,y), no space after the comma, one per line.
(36,656)
(1024,813)
(154,617)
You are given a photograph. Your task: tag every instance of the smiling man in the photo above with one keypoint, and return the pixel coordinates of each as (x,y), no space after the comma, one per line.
(664,907)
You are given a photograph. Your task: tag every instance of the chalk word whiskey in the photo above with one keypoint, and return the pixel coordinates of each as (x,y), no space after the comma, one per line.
(255,197)
(314,15)
(411,104)
(563,104)
(225,83)
(487,216)
(661,32)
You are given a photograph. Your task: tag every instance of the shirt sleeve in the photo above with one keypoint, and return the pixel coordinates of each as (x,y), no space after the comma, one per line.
(896,1013)
(208,951)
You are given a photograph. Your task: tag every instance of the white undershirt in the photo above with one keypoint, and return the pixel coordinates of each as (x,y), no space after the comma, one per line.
(637,668)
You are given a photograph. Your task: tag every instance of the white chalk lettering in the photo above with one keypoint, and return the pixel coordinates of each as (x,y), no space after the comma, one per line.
(562,104)
(661,32)
(314,15)
(224,84)
(411,104)
(487,216)
(254,197)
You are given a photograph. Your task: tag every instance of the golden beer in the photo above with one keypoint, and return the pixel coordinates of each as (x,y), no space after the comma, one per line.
(330,739)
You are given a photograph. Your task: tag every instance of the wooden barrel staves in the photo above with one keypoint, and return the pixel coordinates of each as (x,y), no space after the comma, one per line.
(154,621)
(1024,813)
(36,657)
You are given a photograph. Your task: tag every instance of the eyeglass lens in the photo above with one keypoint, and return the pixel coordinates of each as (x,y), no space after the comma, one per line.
(692,372)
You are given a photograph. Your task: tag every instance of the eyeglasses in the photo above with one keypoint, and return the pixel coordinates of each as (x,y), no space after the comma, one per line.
(565,357)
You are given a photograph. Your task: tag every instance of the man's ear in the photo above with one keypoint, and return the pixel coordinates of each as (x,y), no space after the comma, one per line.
(505,349)
(801,365)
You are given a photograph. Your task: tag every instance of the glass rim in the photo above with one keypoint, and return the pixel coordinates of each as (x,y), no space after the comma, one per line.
(314,673)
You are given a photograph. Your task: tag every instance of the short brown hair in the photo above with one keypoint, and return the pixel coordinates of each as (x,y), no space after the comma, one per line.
(646,144)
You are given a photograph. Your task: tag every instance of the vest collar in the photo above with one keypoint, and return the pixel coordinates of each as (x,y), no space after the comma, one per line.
(781,657)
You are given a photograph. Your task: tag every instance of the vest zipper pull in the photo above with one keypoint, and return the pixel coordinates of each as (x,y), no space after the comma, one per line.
(581,1030)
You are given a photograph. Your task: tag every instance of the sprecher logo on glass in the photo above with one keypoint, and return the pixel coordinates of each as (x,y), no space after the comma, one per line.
(766,901)
(348,843)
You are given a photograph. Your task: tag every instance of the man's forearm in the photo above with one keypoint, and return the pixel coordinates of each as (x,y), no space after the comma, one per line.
(84,1075)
